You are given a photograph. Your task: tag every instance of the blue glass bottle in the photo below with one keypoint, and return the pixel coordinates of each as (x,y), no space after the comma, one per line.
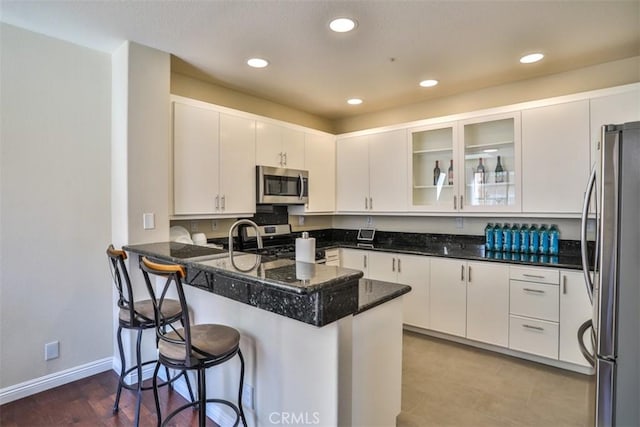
(543,244)
(534,240)
(515,238)
(488,237)
(506,238)
(554,240)
(497,238)
(524,239)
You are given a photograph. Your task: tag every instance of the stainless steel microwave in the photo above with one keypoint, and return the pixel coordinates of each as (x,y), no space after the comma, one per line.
(281,186)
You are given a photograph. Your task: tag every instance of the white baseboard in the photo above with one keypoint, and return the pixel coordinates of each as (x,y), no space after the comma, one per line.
(27,388)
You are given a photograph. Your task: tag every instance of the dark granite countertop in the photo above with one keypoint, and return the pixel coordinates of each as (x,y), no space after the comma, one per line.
(284,274)
(372,293)
(317,294)
(449,246)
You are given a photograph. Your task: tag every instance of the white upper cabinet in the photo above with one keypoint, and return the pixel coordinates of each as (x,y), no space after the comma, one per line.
(279,146)
(352,174)
(320,161)
(213,162)
(195,159)
(612,110)
(490,164)
(371,173)
(237,165)
(387,171)
(555,157)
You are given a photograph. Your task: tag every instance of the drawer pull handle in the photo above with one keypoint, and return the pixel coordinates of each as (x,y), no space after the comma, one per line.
(535,291)
(535,276)
(536,328)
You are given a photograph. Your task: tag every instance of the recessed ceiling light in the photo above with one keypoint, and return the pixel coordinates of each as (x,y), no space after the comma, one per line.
(533,57)
(342,25)
(354,101)
(428,83)
(257,62)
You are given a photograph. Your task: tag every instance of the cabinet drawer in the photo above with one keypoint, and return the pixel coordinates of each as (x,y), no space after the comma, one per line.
(533,336)
(534,300)
(532,274)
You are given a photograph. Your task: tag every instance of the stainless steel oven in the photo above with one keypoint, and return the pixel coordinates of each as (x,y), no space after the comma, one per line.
(281,186)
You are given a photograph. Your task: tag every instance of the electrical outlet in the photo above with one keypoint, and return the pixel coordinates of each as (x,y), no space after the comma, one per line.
(459,222)
(52,350)
(300,220)
(591,225)
(194,225)
(247,396)
(369,221)
(214,225)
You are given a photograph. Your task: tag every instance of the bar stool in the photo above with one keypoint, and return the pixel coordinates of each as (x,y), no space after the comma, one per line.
(194,347)
(137,315)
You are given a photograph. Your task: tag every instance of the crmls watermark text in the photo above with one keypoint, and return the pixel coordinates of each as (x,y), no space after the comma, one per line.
(294,418)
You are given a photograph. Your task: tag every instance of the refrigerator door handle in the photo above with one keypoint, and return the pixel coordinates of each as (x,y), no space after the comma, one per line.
(591,188)
(591,358)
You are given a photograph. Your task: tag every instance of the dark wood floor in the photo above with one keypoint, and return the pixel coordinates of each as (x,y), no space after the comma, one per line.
(89,402)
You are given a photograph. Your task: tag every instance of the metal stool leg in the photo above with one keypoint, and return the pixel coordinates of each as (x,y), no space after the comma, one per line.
(202,394)
(244,420)
(122,369)
(155,392)
(139,369)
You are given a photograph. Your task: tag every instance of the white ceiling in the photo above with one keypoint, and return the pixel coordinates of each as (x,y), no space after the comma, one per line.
(466,45)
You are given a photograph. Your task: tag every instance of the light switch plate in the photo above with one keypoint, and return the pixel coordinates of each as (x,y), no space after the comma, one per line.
(459,222)
(148,221)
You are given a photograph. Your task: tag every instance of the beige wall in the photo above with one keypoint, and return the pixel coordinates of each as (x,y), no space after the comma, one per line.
(208,92)
(55,220)
(600,76)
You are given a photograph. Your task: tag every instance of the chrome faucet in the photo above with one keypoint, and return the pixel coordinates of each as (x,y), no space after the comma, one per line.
(258,238)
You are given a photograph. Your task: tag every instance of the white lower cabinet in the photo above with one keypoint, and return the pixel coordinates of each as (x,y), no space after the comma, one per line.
(412,270)
(470,299)
(488,303)
(534,311)
(355,259)
(533,336)
(575,309)
(448,296)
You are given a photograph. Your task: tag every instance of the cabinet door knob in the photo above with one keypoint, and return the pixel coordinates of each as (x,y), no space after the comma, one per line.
(399,268)
(454,203)
(461,202)
(366,203)
(217,201)
(393,264)
(285,159)
(370,202)
(462,273)
(365,260)
(469,275)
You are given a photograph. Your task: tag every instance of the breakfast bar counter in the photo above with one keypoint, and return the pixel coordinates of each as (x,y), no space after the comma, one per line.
(315,337)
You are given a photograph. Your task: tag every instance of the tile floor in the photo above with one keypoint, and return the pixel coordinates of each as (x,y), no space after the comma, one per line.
(449,384)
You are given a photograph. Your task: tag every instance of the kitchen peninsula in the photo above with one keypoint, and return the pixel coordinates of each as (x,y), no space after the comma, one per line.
(321,344)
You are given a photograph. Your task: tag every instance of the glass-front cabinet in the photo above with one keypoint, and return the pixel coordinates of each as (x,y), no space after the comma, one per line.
(491,159)
(433,165)
(467,166)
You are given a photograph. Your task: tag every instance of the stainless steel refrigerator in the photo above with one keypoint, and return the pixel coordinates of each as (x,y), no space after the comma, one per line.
(614,330)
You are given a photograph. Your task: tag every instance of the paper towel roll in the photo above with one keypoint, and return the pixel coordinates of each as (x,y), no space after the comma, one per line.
(306,248)
(305,270)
